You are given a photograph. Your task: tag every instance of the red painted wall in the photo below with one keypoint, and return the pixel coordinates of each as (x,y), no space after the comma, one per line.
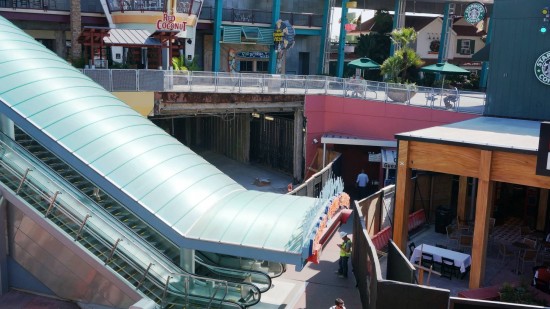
(367,119)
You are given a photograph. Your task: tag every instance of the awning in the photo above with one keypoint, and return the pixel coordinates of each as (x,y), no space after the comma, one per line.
(340,139)
(482,54)
(130,37)
(389,157)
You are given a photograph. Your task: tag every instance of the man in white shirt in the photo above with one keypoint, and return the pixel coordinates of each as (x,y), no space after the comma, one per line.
(361,183)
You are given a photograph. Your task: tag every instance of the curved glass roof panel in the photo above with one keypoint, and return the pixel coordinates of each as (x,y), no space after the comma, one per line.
(165,183)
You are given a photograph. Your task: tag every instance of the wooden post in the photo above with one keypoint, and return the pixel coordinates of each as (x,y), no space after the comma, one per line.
(543,205)
(462,197)
(481,228)
(402,197)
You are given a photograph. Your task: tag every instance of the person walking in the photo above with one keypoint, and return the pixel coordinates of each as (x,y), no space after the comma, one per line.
(345,253)
(361,183)
(338,304)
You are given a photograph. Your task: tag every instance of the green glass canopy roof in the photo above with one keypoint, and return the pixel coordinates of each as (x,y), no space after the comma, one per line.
(162,181)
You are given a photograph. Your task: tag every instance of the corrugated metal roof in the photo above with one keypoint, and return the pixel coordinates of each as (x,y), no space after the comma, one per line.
(121,37)
(486,132)
(165,183)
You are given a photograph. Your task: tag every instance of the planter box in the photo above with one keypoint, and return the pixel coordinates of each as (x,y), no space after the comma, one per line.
(400,95)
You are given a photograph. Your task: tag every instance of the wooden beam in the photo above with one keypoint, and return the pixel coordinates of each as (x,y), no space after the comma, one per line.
(481,227)
(543,207)
(462,197)
(448,159)
(402,197)
(517,168)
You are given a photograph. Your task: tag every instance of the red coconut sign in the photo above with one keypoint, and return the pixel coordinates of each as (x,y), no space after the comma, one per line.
(168,22)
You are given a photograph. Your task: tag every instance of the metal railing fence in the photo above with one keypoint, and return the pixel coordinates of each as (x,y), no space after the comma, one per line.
(223,82)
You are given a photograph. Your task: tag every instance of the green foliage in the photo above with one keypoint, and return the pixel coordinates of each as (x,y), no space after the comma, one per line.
(519,295)
(178,64)
(396,67)
(194,65)
(78,63)
(375,46)
(383,22)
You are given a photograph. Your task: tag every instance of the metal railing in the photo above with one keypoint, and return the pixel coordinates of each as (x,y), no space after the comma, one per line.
(262,17)
(221,82)
(87,6)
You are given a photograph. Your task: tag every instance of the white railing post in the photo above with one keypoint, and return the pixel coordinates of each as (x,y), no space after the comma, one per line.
(189,77)
(240,82)
(327,84)
(344,87)
(216,82)
(386,92)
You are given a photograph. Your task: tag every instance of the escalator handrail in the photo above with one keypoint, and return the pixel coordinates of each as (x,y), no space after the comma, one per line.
(22,155)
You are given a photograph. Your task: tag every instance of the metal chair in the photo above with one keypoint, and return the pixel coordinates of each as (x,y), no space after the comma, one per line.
(430,98)
(465,243)
(452,235)
(427,260)
(528,256)
(411,248)
(504,252)
(448,268)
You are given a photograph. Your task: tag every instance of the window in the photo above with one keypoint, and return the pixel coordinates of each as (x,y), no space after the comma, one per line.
(246,66)
(262,66)
(465,47)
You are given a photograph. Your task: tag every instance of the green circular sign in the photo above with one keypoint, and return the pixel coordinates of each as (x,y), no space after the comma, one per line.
(474,12)
(542,68)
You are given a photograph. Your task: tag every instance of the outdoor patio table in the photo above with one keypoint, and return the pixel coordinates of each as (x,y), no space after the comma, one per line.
(462,260)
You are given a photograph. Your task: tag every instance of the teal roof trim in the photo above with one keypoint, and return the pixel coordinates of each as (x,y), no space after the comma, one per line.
(162,181)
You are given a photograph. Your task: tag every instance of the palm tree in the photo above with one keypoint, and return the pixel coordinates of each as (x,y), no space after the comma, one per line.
(76,28)
(395,67)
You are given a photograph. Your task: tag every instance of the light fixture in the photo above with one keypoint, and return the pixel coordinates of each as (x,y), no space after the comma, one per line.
(189,41)
(545,21)
(315,141)
(269,118)
(255,115)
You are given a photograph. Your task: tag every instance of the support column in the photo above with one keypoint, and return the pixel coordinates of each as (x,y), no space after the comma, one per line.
(187,260)
(342,39)
(217,36)
(399,19)
(543,207)
(323,39)
(298,143)
(4,287)
(275,16)
(462,195)
(485,66)
(403,191)
(481,227)
(60,43)
(442,55)
(7,127)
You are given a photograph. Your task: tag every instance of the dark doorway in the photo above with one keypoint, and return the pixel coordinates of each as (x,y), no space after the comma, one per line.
(272,141)
(303,63)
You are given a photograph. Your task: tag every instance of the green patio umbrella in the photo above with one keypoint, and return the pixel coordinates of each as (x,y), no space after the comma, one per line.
(364,64)
(444,68)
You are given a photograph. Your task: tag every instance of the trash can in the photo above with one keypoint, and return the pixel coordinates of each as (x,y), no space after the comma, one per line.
(442,219)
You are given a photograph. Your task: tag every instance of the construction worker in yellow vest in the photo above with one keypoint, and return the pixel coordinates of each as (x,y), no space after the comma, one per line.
(345,253)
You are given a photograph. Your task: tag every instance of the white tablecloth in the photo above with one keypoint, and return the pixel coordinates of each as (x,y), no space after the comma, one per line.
(462,260)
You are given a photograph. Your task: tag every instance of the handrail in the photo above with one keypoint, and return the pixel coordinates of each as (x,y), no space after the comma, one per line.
(257,83)
(15,158)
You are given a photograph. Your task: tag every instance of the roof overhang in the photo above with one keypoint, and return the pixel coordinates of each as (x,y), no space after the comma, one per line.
(340,139)
(512,135)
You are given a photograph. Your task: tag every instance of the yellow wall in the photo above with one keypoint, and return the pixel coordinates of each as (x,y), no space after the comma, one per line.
(142,102)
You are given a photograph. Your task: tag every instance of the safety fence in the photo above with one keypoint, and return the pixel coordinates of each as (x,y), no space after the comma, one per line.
(222,82)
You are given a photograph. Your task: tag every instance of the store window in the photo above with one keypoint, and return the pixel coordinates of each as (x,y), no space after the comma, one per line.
(262,66)
(246,66)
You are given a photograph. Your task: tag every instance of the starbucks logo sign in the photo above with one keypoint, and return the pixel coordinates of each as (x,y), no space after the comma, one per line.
(474,12)
(542,68)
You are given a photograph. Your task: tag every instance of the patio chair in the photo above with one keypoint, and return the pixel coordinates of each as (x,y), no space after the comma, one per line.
(528,256)
(504,252)
(451,100)
(452,235)
(532,243)
(465,243)
(427,260)
(430,98)
(448,268)
(411,248)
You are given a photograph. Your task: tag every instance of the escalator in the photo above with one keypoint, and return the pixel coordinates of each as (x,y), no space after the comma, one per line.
(133,259)
(222,267)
